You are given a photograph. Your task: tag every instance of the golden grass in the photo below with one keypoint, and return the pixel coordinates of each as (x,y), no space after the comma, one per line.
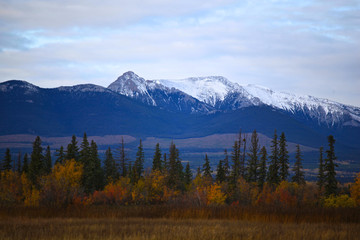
(140,228)
(170,222)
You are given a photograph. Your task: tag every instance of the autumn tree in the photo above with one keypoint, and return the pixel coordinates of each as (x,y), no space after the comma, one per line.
(262,167)
(330,183)
(298,168)
(36,167)
(273,173)
(157,164)
(355,189)
(283,158)
(252,172)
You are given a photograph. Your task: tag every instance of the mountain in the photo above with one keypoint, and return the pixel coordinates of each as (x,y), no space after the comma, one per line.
(155,94)
(214,93)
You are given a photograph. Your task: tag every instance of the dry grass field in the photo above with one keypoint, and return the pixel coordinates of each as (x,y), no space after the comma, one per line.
(162,222)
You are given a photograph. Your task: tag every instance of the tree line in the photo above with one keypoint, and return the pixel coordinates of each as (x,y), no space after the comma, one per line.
(250,166)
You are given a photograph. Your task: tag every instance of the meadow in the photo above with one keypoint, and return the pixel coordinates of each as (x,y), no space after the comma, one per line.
(169,222)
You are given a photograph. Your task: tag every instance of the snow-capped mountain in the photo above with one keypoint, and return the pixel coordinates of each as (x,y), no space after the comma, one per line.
(218,93)
(156,94)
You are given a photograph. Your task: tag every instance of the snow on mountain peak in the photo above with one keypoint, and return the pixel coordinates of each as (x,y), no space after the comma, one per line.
(210,90)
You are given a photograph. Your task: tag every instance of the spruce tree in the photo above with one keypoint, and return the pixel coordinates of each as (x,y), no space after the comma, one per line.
(330,174)
(157,164)
(262,167)
(47,161)
(60,155)
(283,158)
(84,154)
(226,165)
(175,174)
(110,171)
(7,161)
(220,172)
(273,173)
(188,174)
(206,168)
(166,164)
(298,169)
(36,167)
(139,162)
(72,151)
(123,165)
(321,174)
(235,168)
(252,173)
(19,163)
(198,172)
(25,167)
(243,157)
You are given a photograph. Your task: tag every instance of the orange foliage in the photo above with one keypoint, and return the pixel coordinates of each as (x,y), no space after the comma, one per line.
(355,190)
(117,193)
(214,195)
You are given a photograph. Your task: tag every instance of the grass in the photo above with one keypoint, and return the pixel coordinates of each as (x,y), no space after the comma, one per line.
(168,222)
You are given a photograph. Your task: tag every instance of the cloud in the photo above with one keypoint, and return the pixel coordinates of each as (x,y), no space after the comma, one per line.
(307,47)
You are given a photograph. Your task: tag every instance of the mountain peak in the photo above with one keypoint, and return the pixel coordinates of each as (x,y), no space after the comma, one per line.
(18,84)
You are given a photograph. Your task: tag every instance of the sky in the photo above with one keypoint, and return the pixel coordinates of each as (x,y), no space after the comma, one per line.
(302,47)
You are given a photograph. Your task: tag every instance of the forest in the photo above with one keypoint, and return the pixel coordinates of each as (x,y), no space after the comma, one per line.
(251,185)
(247,176)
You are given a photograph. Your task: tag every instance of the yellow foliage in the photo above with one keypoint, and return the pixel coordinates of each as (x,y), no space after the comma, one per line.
(215,196)
(355,190)
(10,188)
(62,184)
(339,201)
(30,194)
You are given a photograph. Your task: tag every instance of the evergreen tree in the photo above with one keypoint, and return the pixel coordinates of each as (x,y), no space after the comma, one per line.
(321,174)
(220,172)
(330,174)
(72,151)
(166,164)
(123,160)
(262,167)
(47,161)
(139,162)
(19,163)
(7,161)
(188,174)
(206,168)
(243,157)
(252,174)
(36,167)
(84,154)
(175,174)
(283,158)
(235,169)
(60,155)
(98,171)
(198,172)
(157,165)
(25,167)
(93,174)
(226,165)
(298,168)
(273,173)
(110,170)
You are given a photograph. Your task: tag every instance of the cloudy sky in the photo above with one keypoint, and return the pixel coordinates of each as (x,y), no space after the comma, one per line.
(305,47)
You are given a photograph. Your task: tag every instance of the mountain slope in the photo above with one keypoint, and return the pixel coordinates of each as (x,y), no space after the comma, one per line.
(214,93)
